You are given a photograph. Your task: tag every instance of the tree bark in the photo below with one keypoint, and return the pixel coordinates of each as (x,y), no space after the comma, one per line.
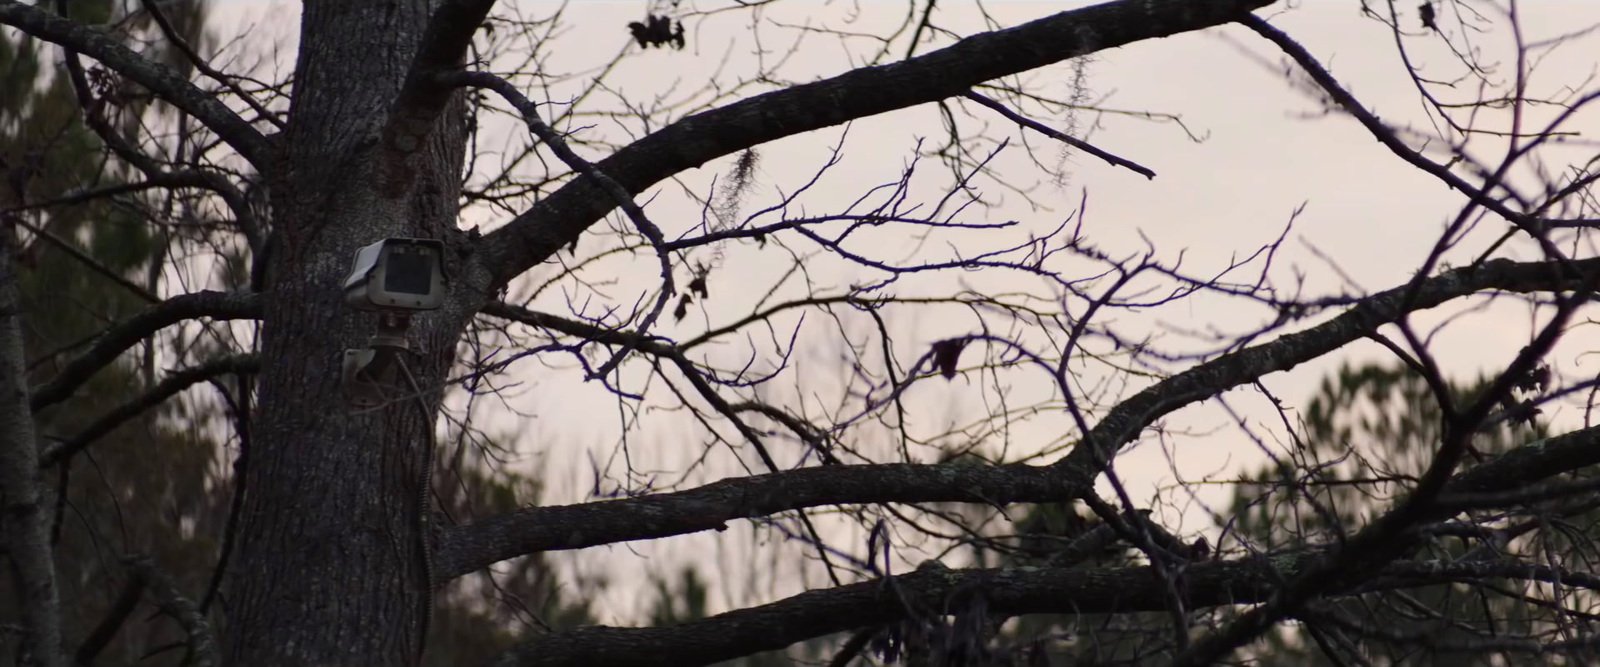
(24,523)
(329,571)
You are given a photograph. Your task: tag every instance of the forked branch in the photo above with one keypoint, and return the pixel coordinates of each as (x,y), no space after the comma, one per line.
(422,98)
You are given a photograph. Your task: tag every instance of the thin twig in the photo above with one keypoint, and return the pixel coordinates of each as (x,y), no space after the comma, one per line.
(93,264)
(206,68)
(1058,136)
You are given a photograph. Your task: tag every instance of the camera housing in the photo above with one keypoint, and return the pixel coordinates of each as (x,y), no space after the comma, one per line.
(397,274)
(395,277)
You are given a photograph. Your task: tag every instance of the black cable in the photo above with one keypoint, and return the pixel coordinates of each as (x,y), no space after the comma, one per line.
(424,487)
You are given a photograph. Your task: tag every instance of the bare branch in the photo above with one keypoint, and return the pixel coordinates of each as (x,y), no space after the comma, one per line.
(1011,591)
(1058,136)
(118,338)
(822,612)
(90,262)
(164,592)
(949,72)
(205,67)
(582,330)
(467,548)
(1528,222)
(1124,422)
(171,386)
(1384,539)
(153,170)
(107,629)
(161,80)
(619,195)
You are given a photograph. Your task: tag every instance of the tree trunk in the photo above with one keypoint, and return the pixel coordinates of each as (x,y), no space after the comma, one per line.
(330,570)
(24,523)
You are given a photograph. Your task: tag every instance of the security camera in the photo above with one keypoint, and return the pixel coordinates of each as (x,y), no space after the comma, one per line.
(397,274)
(395,277)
